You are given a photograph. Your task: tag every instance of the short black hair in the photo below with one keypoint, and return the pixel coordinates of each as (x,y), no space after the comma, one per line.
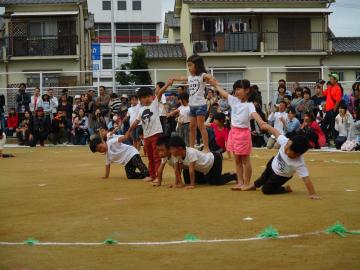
(181,86)
(144,92)
(220,117)
(282,102)
(342,105)
(177,141)
(184,96)
(163,140)
(307,91)
(95,140)
(198,61)
(160,84)
(245,84)
(282,87)
(22,84)
(173,94)
(300,144)
(133,96)
(292,110)
(113,95)
(288,96)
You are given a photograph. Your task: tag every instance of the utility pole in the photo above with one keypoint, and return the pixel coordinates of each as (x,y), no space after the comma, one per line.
(113,46)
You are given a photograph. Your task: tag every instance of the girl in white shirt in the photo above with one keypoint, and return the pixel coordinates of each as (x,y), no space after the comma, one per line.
(343,123)
(239,141)
(198,106)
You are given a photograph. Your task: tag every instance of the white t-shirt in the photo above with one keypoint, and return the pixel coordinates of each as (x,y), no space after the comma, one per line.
(119,152)
(150,119)
(278,124)
(184,114)
(240,112)
(3,141)
(197,90)
(284,166)
(203,161)
(133,112)
(170,161)
(162,106)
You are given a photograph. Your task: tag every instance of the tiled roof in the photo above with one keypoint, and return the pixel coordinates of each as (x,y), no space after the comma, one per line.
(165,51)
(171,21)
(259,1)
(346,44)
(23,2)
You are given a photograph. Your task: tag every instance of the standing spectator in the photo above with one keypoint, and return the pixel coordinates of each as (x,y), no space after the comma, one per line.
(257,95)
(2,112)
(39,128)
(211,99)
(91,95)
(36,101)
(114,104)
(69,99)
(306,105)
(53,100)
(297,100)
(66,107)
(98,120)
(333,96)
(46,104)
(80,126)
(59,129)
(257,135)
(89,107)
(12,122)
(181,89)
(357,96)
(23,100)
(343,123)
(354,98)
(278,119)
(279,96)
(22,132)
(223,105)
(102,103)
(318,98)
(77,104)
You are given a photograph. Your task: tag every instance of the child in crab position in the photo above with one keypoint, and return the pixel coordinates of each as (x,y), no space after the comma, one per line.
(118,152)
(283,166)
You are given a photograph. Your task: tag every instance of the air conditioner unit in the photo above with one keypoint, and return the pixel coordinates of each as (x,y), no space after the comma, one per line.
(200,46)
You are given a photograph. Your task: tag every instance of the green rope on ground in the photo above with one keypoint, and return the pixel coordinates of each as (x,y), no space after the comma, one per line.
(110,241)
(191,238)
(340,230)
(269,232)
(31,242)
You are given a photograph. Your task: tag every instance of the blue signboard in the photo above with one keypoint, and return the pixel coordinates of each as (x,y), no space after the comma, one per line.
(96,67)
(96,51)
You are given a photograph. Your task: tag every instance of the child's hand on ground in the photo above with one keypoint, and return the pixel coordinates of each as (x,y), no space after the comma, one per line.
(314,197)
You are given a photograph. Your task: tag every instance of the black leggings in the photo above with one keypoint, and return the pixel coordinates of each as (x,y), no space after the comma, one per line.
(271,183)
(214,176)
(132,165)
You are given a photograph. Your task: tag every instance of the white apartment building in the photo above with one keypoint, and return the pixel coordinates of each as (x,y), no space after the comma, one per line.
(136,22)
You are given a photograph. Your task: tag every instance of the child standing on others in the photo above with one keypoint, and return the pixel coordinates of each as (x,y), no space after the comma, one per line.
(239,141)
(149,116)
(198,106)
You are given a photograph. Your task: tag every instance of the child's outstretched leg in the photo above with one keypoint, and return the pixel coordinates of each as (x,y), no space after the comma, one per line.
(239,172)
(193,128)
(204,134)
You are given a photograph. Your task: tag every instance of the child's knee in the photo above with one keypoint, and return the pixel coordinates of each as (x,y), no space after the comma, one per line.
(266,190)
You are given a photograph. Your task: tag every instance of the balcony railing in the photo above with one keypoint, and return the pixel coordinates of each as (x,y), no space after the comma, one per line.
(42,45)
(127,39)
(250,42)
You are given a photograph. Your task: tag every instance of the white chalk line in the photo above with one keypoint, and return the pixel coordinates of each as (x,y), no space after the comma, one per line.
(179,242)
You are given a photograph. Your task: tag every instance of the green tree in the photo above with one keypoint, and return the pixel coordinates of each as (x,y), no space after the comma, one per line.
(138,61)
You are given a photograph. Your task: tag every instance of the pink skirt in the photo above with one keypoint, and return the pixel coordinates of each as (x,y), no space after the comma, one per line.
(239,141)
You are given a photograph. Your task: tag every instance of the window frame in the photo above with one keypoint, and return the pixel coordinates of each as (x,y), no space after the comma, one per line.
(107,2)
(134,3)
(121,2)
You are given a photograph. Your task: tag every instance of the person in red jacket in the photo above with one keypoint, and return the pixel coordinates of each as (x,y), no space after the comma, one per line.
(333,94)
(12,122)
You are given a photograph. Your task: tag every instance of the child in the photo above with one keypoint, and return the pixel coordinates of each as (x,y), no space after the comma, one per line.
(282,167)
(118,152)
(132,113)
(198,167)
(279,119)
(306,105)
(343,123)
(12,122)
(291,124)
(239,141)
(46,103)
(149,116)
(220,133)
(198,106)
(183,119)
(2,145)
(353,140)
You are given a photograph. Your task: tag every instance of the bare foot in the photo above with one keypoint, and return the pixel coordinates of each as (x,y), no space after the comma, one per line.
(206,150)
(156,183)
(238,187)
(176,186)
(288,189)
(190,187)
(250,187)
(148,179)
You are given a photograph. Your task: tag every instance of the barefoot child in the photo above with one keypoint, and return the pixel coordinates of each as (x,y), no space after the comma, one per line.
(149,116)
(198,167)
(132,113)
(239,141)
(118,152)
(197,102)
(282,167)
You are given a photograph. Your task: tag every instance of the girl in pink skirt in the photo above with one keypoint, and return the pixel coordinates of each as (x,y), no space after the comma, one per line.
(239,141)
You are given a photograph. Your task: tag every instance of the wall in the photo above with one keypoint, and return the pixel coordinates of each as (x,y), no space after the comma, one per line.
(164,75)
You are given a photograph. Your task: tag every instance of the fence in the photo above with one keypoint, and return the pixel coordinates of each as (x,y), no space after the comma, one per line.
(79,82)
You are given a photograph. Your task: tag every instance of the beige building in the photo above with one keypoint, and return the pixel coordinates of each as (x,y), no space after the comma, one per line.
(262,41)
(49,36)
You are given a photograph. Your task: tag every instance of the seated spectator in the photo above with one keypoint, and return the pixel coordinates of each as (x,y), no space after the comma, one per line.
(2,112)
(279,96)
(12,122)
(98,120)
(23,132)
(292,124)
(354,98)
(66,107)
(321,114)
(343,123)
(80,126)
(297,99)
(77,104)
(257,135)
(306,105)
(223,105)
(353,141)
(59,129)
(39,128)
(312,129)
(53,101)
(318,98)
(287,100)
(102,103)
(36,100)
(278,119)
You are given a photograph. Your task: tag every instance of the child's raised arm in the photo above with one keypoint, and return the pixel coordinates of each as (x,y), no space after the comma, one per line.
(310,187)
(164,88)
(212,81)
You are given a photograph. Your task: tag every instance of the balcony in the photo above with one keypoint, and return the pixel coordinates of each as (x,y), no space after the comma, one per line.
(43,45)
(127,39)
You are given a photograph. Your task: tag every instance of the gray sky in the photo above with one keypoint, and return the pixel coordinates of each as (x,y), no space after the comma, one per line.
(344,21)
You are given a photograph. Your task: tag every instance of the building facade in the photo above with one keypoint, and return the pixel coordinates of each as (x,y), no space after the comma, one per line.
(136,22)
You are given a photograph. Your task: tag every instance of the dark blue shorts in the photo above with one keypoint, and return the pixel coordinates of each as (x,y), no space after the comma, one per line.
(198,110)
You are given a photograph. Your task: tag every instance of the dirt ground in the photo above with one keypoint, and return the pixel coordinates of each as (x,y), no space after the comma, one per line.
(56,195)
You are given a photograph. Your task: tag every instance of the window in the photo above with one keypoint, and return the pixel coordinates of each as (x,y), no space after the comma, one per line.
(227,78)
(106,61)
(294,34)
(136,5)
(103,32)
(106,5)
(357,76)
(122,58)
(121,5)
(136,33)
